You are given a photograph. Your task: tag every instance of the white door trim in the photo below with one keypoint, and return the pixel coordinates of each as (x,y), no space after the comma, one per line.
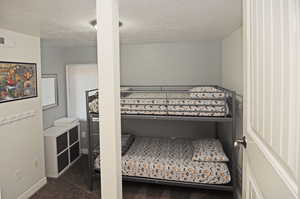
(285,176)
(68,90)
(254,184)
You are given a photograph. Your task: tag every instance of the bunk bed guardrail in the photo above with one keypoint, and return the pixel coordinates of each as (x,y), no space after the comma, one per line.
(172,102)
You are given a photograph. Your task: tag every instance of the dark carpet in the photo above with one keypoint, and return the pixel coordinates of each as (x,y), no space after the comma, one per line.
(72,185)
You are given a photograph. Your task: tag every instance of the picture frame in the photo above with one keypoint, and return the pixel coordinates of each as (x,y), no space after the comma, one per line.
(18,81)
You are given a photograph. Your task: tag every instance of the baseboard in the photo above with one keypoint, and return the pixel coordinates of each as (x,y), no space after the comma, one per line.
(32,190)
(85,151)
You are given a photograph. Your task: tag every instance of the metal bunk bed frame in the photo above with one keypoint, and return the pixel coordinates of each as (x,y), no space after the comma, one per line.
(230,118)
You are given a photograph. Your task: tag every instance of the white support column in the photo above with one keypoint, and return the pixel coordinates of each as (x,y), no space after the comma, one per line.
(109,95)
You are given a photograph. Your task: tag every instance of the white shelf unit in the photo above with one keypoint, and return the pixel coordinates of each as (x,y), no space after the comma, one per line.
(62,148)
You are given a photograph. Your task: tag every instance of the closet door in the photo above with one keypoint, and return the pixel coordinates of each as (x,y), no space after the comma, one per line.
(271,103)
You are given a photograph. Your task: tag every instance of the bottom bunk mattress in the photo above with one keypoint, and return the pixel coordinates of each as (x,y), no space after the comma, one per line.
(170,159)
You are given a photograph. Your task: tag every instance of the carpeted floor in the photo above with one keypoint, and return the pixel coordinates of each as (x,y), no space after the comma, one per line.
(72,185)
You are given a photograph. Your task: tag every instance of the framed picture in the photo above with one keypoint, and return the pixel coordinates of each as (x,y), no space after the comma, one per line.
(17,81)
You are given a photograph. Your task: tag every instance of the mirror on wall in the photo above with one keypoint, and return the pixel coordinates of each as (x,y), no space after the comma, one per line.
(49,91)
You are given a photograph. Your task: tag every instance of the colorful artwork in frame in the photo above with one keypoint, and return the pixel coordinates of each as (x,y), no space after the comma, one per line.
(17,81)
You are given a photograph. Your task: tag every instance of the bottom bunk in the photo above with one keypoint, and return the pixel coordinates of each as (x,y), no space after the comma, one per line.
(174,161)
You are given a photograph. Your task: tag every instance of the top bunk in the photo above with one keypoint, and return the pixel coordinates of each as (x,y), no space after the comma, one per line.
(192,103)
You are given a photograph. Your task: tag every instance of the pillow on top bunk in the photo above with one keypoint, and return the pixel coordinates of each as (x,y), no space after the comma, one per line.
(208,150)
(206,92)
(124,91)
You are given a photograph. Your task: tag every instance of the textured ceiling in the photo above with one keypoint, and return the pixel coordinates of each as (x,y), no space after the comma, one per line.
(66,22)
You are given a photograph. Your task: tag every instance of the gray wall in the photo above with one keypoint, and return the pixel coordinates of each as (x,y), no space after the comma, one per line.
(180,63)
(232,61)
(80,55)
(54,60)
(53,63)
(171,63)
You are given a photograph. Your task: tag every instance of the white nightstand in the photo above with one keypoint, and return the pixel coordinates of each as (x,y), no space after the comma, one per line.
(62,148)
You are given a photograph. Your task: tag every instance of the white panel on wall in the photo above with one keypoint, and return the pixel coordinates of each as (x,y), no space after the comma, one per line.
(80,78)
(48,91)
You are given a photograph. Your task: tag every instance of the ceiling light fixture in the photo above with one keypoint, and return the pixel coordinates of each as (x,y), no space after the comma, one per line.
(94,23)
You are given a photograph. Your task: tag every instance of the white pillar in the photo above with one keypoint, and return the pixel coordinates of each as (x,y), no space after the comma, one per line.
(109,95)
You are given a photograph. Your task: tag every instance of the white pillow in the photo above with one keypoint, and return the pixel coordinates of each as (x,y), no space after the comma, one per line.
(125,89)
(209,150)
(206,92)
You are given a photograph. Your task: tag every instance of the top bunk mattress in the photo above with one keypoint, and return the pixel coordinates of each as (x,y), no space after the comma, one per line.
(198,101)
(170,159)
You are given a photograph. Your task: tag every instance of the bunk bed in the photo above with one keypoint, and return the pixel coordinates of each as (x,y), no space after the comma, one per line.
(169,161)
